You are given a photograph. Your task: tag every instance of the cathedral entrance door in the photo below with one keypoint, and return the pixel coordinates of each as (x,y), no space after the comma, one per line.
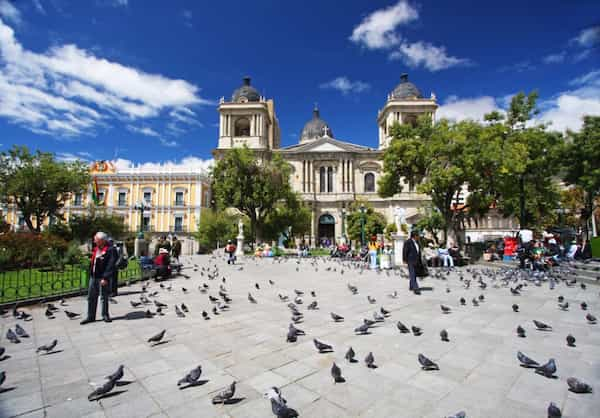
(326,230)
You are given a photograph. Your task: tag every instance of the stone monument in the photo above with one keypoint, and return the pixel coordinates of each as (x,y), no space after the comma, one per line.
(239,251)
(399,237)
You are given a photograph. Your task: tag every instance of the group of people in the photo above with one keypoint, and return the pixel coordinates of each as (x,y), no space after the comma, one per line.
(172,247)
(442,255)
(541,254)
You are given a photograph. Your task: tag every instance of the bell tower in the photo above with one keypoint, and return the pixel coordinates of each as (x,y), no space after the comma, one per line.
(248,119)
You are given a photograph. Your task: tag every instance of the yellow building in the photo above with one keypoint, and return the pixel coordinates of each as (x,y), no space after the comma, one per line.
(174,198)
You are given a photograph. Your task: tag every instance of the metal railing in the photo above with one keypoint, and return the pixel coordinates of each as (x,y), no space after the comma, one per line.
(33,284)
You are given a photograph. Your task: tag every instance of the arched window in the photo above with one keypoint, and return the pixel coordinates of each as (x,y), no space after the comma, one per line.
(242,127)
(329,179)
(369,183)
(322,180)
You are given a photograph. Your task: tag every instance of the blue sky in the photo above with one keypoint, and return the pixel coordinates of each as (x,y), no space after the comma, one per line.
(138,80)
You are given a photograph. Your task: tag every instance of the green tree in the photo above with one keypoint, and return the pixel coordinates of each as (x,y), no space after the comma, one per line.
(216,227)
(431,221)
(254,187)
(38,184)
(290,215)
(375,222)
(84,226)
(582,164)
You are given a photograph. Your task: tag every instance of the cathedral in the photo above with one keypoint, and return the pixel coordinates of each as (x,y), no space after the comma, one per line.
(328,172)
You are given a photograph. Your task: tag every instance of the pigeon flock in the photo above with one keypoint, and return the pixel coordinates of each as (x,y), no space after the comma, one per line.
(222,289)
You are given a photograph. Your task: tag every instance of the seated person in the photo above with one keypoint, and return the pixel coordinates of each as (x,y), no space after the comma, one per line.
(445,257)
(586,252)
(431,255)
(230,250)
(162,264)
(574,251)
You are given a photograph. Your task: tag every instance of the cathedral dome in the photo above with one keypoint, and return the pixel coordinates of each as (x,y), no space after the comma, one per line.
(315,128)
(406,89)
(246,93)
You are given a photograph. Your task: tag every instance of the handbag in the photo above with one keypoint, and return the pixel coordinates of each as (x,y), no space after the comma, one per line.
(421,269)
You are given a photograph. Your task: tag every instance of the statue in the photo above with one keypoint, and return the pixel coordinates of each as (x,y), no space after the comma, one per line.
(399,218)
(240,228)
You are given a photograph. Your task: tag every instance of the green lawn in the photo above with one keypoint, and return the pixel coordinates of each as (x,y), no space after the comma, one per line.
(27,284)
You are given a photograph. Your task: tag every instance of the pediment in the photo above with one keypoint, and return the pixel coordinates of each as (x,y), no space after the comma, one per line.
(326,147)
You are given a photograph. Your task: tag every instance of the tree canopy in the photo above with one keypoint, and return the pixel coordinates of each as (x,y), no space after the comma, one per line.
(375,222)
(38,184)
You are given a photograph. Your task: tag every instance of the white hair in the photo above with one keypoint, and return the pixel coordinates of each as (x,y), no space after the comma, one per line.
(101,235)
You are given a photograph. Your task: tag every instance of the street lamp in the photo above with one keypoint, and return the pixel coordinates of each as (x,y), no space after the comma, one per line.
(362,225)
(141,206)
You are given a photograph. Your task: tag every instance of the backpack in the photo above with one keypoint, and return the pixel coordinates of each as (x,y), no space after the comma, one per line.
(122,263)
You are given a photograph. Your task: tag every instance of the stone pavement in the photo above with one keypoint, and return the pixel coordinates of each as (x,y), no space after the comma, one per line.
(479,372)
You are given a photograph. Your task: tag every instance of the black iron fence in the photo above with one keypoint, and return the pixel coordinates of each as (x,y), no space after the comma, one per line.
(32,284)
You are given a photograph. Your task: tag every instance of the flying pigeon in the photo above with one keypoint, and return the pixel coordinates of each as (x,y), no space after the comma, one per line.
(156,338)
(102,390)
(48,347)
(521,331)
(350,355)
(570,340)
(225,395)
(577,386)
(191,378)
(444,335)
(370,361)
(322,347)
(541,326)
(526,361)
(402,328)
(117,375)
(21,331)
(336,317)
(427,364)
(547,369)
(553,411)
(336,373)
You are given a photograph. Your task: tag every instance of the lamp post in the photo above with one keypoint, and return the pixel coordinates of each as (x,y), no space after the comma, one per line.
(141,206)
(362,225)
(344,225)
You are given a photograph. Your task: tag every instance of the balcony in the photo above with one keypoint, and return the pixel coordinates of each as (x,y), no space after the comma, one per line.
(179,203)
(122,203)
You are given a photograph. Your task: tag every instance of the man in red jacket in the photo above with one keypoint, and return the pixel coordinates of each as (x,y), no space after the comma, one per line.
(102,267)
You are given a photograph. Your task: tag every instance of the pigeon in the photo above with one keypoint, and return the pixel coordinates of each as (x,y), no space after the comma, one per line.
(256,286)
(214,299)
(363,329)
(160,304)
(461,414)
(444,335)
(591,318)
(520,331)
(515,291)
(191,378)
(393,295)
(371,300)
(49,313)
(370,361)
(2,377)
(73,315)
(118,375)
(353,289)
(21,331)
(463,302)
(526,361)
(561,299)
(553,411)
(48,347)
(481,298)
(322,347)
(368,322)
(271,282)
(52,307)
(564,306)
(570,340)
(583,306)
(312,305)
(179,312)
(416,330)
(313,294)
(384,312)
(184,290)
(377,317)
(336,373)
(251,299)
(427,364)
(577,386)
(184,308)
(296,330)
(336,317)
(292,336)
(547,369)
(475,303)
(445,309)
(515,307)
(279,404)
(158,337)
(2,351)
(402,328)
(350,355)
(298,292)
(12,337)
(541,326)
(583,286)
(102,390)
(225,395)
(134,304)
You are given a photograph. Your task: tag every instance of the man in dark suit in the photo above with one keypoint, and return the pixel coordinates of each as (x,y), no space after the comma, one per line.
(411,255)
(102,267)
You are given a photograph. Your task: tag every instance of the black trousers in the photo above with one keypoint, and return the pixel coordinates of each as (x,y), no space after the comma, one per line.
(94,291)
(114,283)
(412,274)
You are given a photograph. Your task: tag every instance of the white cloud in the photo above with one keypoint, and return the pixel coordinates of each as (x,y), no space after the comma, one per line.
(554,58)
(69,157)
(187,18)
(67,91)
(429,56)
(345,86)
(468,108)
(588,37)
(38,6)
(517,67)
(144,131)
(10,12)
(186,164)
(377,30)
(567,109)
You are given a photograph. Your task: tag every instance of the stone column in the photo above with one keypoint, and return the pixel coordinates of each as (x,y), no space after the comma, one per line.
(239,251)
(399,240)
